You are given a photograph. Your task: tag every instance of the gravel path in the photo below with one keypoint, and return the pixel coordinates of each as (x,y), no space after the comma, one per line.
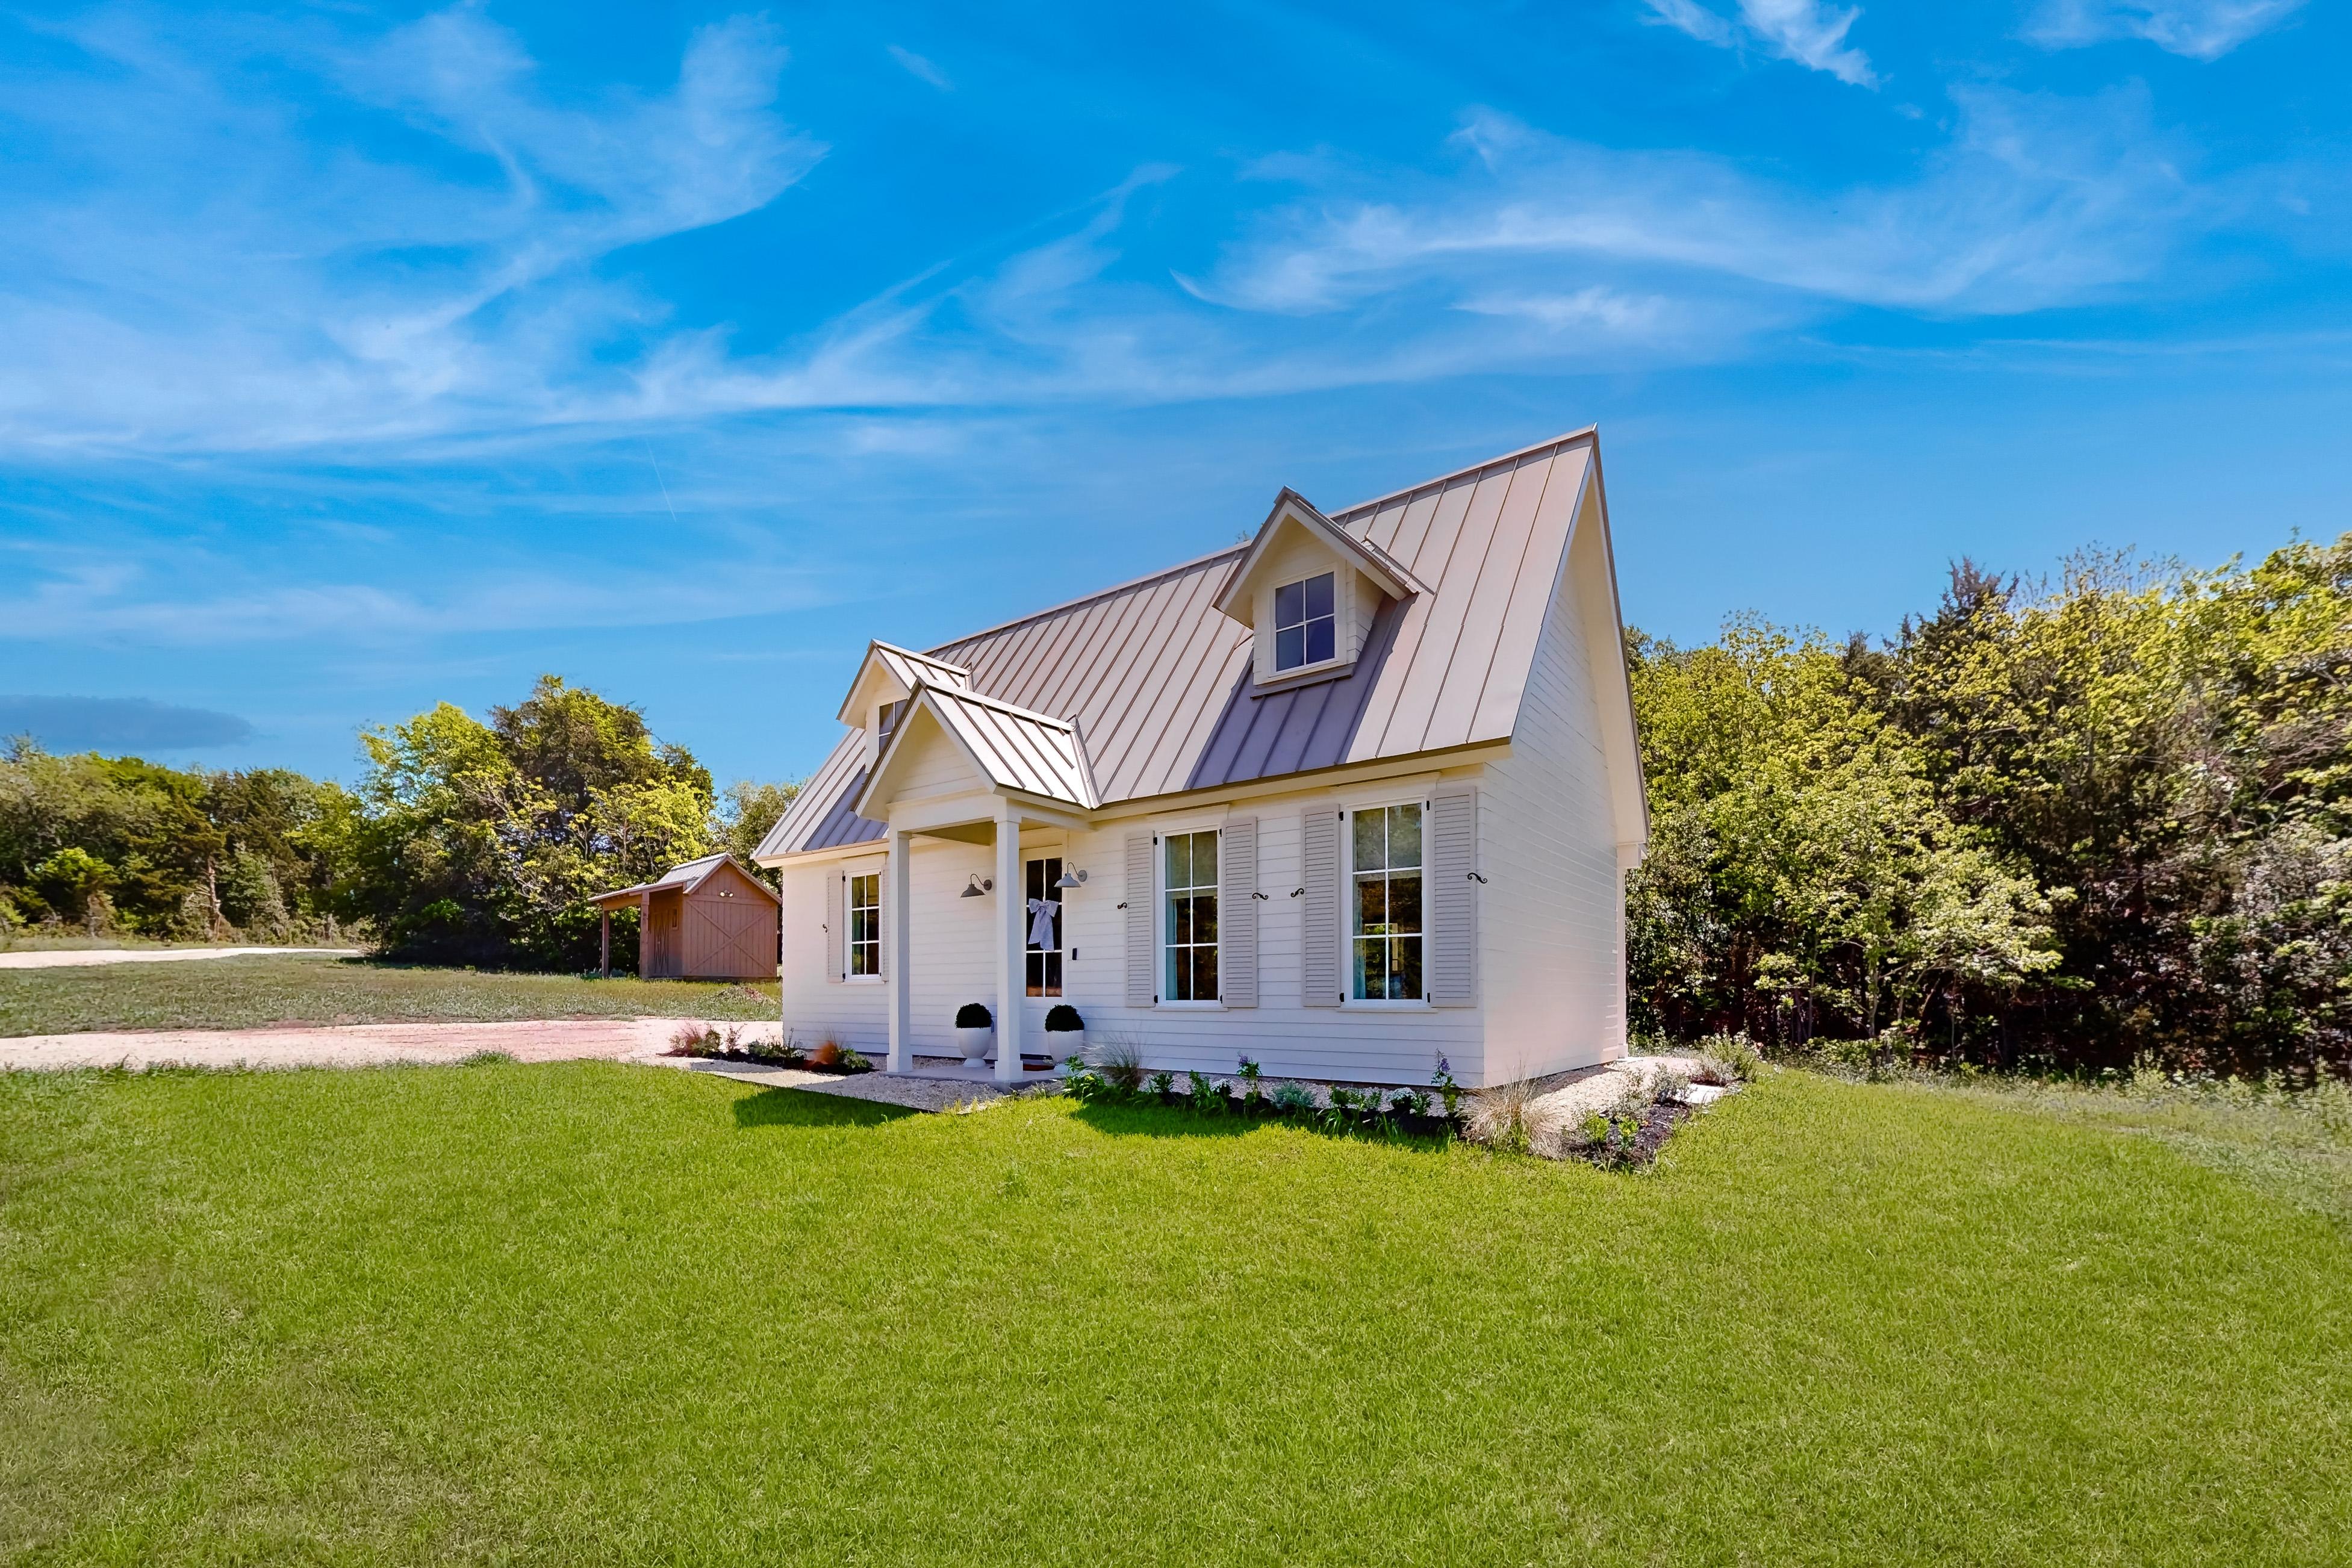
(644,1041)
(80,957)
(344,1044)
(1573,1096)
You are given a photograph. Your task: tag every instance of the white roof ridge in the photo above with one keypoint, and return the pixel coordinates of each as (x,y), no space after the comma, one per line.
(918,655)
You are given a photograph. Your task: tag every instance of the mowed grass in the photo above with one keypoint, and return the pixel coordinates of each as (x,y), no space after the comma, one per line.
(247,993)
(2296,1145)
(588,1312)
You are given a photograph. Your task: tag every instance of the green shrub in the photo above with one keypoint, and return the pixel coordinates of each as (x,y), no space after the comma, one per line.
(1208,1096)
(1062,1018)
(1293,1099)
(972,1015)
(1733,1055)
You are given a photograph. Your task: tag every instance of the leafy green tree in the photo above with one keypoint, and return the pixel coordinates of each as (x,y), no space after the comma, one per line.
(480,843)
(74,880)
(747,811)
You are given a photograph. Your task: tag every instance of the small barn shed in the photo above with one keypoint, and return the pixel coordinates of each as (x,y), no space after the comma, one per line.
(706,920)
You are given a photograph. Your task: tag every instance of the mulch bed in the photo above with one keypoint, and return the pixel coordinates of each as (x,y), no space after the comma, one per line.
(1658,1124)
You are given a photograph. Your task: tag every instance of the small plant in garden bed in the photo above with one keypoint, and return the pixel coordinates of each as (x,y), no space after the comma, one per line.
(731,1046)
(1346,1109)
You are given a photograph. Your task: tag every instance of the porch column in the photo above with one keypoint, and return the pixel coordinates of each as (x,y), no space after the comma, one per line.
(897,966)
(1010,948)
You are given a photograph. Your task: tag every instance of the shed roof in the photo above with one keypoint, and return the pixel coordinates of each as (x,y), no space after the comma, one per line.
(1158,680)
(687,875)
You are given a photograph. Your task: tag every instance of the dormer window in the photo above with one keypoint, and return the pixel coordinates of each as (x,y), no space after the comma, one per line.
(1305,623)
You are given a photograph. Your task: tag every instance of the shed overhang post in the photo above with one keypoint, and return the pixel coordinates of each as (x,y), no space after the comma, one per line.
(896,967)
(604,941)
(645,934)
(1010,944)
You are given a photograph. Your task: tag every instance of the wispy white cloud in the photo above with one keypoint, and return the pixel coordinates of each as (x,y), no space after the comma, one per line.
(204,601)
(1805,31)
(2036,202)
(921,68)
(456,300)
(217,276)
(2199,29)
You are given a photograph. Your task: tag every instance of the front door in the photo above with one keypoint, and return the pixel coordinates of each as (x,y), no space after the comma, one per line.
(1043,911)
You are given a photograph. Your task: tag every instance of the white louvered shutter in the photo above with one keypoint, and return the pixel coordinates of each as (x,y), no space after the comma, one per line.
(1452,933)
(1237,914)
(1319,959)
(836,925)
(1141,960)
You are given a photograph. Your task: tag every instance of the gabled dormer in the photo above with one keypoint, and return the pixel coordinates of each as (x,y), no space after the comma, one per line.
(885,681)
(1308,589)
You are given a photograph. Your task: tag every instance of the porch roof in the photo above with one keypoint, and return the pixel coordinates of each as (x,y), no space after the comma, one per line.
(1010,747)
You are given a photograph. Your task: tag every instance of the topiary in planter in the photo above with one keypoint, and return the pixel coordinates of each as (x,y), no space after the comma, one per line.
(1063,1019)
(974,1030)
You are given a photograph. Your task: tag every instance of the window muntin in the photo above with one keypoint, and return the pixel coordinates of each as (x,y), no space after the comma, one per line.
(865,925)
(1043,960)
(1305,625)
(1385,944)
(1188,917)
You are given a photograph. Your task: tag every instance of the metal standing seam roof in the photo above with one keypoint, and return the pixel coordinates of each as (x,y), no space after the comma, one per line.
(689,874)
(1158,680)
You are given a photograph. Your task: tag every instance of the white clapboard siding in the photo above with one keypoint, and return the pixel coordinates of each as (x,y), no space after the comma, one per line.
(1140,992)
(1552,988)
(1454,897)
(836,925)
(1319,959)
(1237,914)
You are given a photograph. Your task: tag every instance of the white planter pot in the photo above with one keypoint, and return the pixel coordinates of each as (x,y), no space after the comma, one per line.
(1063,1044)
(975,1043)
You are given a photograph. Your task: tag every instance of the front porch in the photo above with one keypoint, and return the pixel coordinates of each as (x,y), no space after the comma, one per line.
(996,821)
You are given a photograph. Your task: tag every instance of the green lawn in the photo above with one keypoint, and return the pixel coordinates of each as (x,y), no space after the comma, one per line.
(592,1312)
(242,993)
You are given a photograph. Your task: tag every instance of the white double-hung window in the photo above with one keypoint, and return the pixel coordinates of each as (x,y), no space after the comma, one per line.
(1306,622)
(1187,919)
(1384,893)
(866,925)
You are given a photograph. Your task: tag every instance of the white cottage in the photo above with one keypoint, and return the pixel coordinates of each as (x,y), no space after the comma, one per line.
(1356,794)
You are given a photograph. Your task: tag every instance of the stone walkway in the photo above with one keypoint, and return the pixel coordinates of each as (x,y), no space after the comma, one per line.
(78,957)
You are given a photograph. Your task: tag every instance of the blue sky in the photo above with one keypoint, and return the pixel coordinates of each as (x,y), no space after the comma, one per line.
(358,360)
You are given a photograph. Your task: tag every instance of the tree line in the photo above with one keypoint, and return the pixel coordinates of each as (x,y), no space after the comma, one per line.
(2067,826)
(2064,826)
(464,841)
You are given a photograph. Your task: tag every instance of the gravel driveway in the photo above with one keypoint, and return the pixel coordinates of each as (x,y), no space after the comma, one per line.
(82,957)
(344,1044)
